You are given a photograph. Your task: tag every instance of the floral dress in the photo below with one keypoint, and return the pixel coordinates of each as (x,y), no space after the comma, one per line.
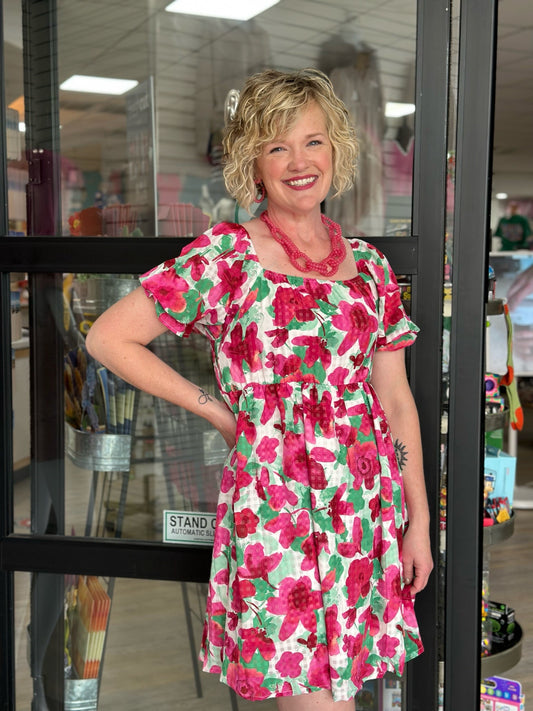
(306,589)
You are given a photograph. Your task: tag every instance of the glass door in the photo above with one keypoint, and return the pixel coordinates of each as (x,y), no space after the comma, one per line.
(110,494)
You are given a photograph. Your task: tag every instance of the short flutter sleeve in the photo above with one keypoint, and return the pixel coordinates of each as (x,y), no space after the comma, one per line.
(395,328)
(191,292)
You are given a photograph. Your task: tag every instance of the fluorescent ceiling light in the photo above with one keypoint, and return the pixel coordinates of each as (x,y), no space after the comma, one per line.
(227,9)
(98,85)
(396,109)
(501,196)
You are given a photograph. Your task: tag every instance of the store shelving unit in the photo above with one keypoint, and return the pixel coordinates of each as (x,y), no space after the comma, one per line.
(502,659)
(498,662)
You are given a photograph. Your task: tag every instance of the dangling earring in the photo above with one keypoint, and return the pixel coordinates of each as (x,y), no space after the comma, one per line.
(262,192)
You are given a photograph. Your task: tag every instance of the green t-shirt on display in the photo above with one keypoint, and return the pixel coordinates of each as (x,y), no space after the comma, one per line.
(514,232)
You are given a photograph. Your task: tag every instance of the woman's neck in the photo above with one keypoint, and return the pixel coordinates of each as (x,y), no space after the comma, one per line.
(303,228)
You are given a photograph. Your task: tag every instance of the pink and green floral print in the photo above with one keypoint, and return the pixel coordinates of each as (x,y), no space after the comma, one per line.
(306,586)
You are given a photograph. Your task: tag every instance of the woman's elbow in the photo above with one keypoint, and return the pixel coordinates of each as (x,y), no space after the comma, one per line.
(94,341)
(112,332)
(91,342)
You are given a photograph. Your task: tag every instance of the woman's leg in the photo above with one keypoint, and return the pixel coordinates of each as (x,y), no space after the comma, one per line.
(315,701)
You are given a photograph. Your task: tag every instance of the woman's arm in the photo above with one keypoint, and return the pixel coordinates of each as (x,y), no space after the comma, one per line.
(118,339)
(389,380)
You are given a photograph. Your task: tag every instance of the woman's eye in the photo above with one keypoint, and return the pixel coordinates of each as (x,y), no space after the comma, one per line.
(315,142)
(276,149)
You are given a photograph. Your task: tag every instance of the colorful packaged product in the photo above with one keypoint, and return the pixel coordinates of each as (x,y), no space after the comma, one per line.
(499,694)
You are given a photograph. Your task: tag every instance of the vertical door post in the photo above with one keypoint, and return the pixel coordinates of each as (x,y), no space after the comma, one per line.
(41,98)
(465,459)
(429,222)
(7,637)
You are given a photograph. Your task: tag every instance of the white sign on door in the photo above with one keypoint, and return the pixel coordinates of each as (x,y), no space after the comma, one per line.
(192,527)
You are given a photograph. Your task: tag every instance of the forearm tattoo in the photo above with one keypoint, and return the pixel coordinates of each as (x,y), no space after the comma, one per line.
(401,454)
(204,398)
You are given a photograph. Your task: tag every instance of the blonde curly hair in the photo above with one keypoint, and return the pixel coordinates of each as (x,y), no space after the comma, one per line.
(268,107)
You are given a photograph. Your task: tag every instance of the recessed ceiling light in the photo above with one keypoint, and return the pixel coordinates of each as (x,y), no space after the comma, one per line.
(227,9)
(98,85)
(501,196)
(397,109)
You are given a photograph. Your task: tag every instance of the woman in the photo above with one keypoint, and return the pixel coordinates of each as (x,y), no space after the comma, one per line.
(313,575)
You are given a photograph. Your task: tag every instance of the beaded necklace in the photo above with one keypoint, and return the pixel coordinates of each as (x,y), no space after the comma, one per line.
(301,261)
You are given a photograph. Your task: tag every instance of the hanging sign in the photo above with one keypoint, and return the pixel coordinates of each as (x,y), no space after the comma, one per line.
(191,527)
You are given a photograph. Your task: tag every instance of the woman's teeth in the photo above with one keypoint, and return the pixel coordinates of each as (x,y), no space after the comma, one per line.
(299,183)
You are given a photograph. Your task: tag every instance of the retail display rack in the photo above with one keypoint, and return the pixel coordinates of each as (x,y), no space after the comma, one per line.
(500,652)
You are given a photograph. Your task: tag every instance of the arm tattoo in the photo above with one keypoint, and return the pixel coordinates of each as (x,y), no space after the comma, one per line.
(204,397)
(401,454)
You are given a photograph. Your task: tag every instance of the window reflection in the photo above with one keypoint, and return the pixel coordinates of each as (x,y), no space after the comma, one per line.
(130,456)
(148,162)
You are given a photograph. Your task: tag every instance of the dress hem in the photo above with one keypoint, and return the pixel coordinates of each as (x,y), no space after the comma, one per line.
(215,669)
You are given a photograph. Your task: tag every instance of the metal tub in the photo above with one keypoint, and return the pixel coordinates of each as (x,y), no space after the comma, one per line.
(98,452)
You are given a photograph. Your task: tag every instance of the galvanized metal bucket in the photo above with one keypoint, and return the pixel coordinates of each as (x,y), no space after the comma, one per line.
(81,695)
(98,452)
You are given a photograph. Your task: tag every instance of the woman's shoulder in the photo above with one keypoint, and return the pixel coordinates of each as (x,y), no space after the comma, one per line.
(365,250)
(371,261)
(224,243)
(222,238)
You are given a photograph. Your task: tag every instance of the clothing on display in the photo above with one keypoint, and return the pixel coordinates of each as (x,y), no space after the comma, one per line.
(356,81)
(514,232)
(306,587)
(399,163)
(228,55)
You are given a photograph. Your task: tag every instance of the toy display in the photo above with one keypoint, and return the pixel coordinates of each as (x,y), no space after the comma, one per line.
(499,694)
(502,467)
(502,623)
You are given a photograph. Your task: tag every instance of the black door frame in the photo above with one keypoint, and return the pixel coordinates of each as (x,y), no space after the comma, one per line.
(464,534)
(7,632)
(423,259)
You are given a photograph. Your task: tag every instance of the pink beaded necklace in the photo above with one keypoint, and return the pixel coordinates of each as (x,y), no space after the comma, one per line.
(301,261)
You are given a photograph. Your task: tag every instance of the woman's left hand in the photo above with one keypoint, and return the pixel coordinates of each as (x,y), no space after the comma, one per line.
(417,559)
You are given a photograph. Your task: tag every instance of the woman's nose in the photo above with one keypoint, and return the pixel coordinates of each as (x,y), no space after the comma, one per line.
(298,159)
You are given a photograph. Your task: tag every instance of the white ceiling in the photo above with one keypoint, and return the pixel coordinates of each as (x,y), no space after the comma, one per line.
(125,37)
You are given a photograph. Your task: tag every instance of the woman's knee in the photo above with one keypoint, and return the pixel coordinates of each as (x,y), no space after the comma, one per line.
(313,701)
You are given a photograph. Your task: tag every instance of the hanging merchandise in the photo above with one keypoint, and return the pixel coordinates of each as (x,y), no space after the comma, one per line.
(508,381)
(399,162)
(514,230)
(228,54)
(354,72)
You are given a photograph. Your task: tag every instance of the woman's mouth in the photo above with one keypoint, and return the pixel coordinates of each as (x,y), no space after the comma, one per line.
(301,183)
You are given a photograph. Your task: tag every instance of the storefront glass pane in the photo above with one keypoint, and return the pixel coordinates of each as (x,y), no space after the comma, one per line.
(149,635)
(17,168)
(148,161)
(127,456)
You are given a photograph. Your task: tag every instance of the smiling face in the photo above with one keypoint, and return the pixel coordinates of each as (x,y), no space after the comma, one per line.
(297,168)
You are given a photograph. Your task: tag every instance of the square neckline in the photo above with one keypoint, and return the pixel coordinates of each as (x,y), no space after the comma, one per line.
(253,254)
